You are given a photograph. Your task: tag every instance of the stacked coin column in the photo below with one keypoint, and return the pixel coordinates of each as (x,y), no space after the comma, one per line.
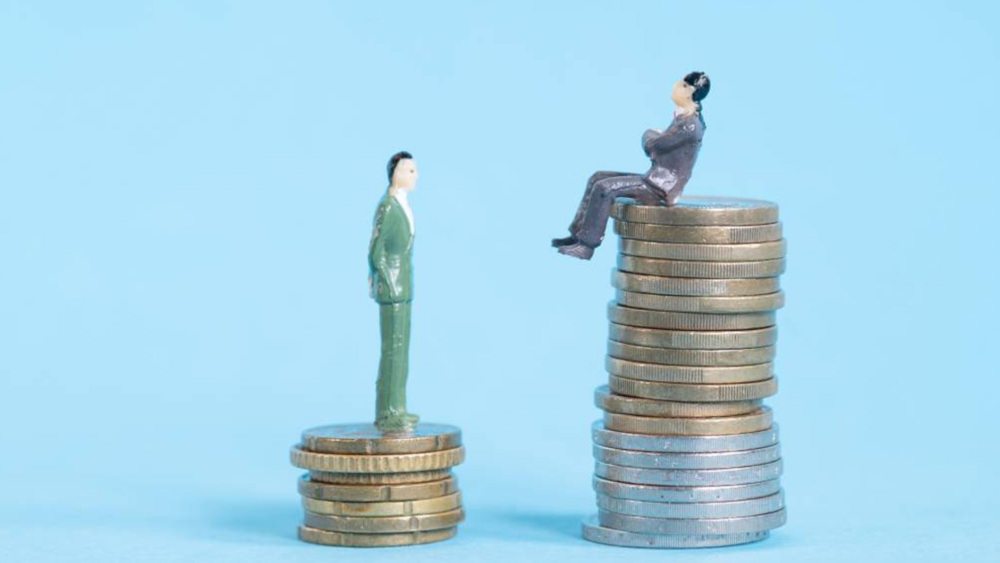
(367,488)
(687,454)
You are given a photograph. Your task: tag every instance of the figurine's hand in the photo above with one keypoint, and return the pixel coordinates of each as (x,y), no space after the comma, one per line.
(371,286)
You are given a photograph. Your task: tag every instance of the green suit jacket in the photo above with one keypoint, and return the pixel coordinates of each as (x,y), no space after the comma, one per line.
(390,253)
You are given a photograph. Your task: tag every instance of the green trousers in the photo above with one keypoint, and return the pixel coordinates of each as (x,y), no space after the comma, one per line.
(394,321)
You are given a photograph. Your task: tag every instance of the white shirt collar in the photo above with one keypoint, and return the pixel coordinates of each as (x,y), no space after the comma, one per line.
(400,195)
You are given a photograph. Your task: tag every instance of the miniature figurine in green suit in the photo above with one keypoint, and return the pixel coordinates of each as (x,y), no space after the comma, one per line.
(391,281)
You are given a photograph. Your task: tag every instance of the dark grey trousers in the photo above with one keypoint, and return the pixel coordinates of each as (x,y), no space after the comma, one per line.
(603,188)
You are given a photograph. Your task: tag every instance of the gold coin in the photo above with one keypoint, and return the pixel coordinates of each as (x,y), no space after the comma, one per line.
(621,404)
(388,463)
(707,426)
(687,304)
(700,210)
(688,374)
(365,438)
(697,393)
(346,539)
(378,509)
(415,477)
(384,524)
(376,493)
(681,357)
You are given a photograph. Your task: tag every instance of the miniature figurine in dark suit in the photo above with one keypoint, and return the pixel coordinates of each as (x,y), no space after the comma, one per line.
(673,153)
(391,280)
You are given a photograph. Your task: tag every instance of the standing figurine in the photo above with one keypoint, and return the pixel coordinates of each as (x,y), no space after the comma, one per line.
(673,153)
(391,282)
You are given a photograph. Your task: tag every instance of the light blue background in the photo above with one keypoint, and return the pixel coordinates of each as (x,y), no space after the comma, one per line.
(186,192)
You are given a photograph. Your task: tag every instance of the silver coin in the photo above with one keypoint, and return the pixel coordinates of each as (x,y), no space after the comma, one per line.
(661,285)
(733,509)
(695,393)
(700,234)
(704,252)
(687,321)
(700,210)
(690,477)
(683,357)
(593,531)
(694,339)
(639,524)
(607,401)
(710,270)
(688,374)
(682,444)
(687,304)
(661,460)
(698,494)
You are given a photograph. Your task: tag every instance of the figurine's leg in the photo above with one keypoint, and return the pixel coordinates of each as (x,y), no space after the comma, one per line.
(394,321)
(574,226)
(595,217)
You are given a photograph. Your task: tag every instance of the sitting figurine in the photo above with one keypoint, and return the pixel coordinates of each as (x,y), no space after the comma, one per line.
(672,152)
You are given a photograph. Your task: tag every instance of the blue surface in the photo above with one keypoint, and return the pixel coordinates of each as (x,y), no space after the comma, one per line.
(186,192)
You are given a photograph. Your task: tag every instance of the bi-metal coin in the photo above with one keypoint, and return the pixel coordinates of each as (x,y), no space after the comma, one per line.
(415,477)
(704,252)
(705,393)
(684,357)
(706,426)
(687,304)
(699,234)
(622,404)
(607,437)
(694,339)
(710,270)
(688,374)
(661,285)
(700,210)
(647,318)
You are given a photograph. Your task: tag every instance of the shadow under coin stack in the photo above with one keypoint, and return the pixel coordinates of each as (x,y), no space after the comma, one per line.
(687,455)
(367,488)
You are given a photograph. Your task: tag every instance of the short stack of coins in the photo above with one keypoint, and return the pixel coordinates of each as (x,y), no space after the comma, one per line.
(687,455)
(368,488)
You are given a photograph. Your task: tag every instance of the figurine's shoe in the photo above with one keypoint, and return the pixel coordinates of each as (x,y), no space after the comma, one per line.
(565,241)
(397,422)
(577,250)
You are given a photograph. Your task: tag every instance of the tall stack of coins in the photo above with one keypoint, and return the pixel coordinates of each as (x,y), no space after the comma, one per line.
(367,488)
(687,455)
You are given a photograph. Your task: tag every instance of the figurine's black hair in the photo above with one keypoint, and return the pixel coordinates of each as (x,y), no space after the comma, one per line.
(391,167)
(701,85)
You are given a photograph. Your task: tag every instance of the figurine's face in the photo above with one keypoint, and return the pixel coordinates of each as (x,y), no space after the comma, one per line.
(682,95)
(405,175)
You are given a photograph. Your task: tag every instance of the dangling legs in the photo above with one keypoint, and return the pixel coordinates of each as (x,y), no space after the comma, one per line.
(593,222)
(578,218)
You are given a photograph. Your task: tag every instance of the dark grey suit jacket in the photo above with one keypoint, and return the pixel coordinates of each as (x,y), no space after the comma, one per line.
(673,152)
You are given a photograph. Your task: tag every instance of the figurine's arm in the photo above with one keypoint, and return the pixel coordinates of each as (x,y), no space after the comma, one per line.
(672,138)
(378,255)
(647,139)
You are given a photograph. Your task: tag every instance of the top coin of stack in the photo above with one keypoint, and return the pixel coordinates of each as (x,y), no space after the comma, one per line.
(687,455)
(367,488)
